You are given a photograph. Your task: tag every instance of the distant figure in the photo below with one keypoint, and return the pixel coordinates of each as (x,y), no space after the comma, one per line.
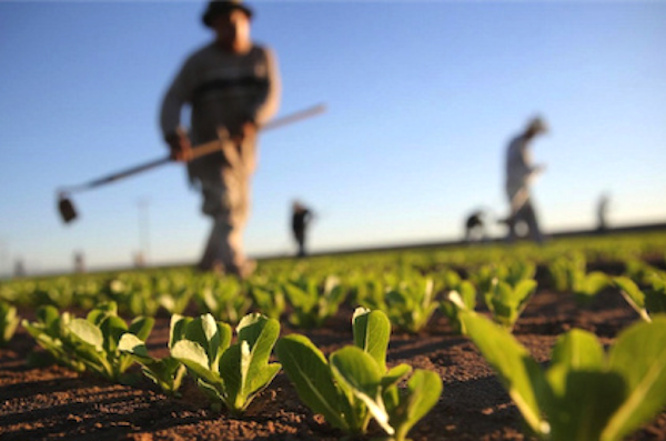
(519,173)
(602,211)
(232,86)
(474,226)
(19,268)
(139,260)
(300,218)
(79,263)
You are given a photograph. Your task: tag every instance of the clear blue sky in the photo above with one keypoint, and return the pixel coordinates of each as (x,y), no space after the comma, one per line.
(422,98)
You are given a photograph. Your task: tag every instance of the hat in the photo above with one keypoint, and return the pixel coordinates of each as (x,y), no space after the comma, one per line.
(218,7)
(538,125)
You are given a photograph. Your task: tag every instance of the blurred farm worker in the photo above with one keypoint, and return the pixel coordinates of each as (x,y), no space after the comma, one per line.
(602,212)
(300,219)
(232,86)
(475,226)
(520,172)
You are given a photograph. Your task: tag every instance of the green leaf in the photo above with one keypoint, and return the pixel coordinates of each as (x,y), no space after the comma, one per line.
(578,350)
(395,375)
(193,356)
(141,327)
(422,393)
(516,369)
(134,345)
(579,403)
(177,328)
(372,331)
(360,375)
(88,333)
(308,370)
(639,355)
(633,295)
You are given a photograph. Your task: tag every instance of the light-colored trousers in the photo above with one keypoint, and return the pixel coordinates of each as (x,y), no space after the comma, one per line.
(226,199)
(523,211)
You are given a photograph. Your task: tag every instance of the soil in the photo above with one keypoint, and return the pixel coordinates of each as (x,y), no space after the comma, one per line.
(53,402)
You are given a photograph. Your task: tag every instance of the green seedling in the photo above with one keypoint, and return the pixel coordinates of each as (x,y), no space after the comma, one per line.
(230,375)
(411,304)
(585,394)
(51,332)
(506,303)
(465,294)
(95,340)
(648,301)
(270,301)
(225,300)
(8,322)
(167,372)
(355,385)
(312,306)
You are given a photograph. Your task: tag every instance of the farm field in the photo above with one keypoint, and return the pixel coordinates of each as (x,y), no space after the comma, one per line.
(41,401)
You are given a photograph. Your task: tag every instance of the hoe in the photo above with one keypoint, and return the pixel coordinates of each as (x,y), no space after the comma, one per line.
(66,207)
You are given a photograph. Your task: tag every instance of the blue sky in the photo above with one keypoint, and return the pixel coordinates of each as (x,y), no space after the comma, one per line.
(422,98)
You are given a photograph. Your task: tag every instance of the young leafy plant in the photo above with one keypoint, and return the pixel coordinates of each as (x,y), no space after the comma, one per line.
(167,372)
(467,296)
(8,322)
(506,302)
(312,306)
(51,332)
(646,302)
(95,339)
(411,304)
(355,385)
(230,375)
(224,299)
(584,395)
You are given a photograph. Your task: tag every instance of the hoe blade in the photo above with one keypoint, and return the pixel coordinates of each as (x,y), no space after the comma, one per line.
(66,209)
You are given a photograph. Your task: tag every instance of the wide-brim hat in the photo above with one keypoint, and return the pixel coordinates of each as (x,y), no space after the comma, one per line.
(218,7)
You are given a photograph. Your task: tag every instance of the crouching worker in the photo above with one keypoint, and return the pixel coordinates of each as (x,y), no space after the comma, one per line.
(232,87)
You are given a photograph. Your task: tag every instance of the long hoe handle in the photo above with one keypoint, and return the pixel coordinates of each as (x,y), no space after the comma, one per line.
(197,152)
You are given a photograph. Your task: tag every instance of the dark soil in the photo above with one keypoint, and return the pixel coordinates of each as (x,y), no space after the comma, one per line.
(53,402)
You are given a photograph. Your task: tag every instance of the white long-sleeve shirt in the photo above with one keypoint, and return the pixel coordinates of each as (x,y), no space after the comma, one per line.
(519,167)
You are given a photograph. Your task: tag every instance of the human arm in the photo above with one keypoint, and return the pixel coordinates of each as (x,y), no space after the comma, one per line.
(178,94)
(268,101)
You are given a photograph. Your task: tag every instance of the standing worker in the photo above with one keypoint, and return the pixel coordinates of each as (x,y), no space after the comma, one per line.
(519,173)
(300,218)
(233,88)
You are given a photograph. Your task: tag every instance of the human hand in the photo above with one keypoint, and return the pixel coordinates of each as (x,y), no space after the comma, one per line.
(180,145)
(246,129)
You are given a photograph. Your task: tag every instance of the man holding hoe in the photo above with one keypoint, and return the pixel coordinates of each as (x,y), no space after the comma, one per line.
(233,88)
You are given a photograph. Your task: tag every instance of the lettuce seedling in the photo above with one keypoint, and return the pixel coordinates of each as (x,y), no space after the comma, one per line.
(167,372)
(506,303)
(269,300)
(51,332)
(354,385)
(312,306)
(230,375)
(411,304)
(225,300)
(648,301)
(8,322)
(95,339)
(584,395)
(466,293)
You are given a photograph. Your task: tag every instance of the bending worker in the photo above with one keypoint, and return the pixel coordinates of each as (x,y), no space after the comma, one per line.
(233,87)
(520,172)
